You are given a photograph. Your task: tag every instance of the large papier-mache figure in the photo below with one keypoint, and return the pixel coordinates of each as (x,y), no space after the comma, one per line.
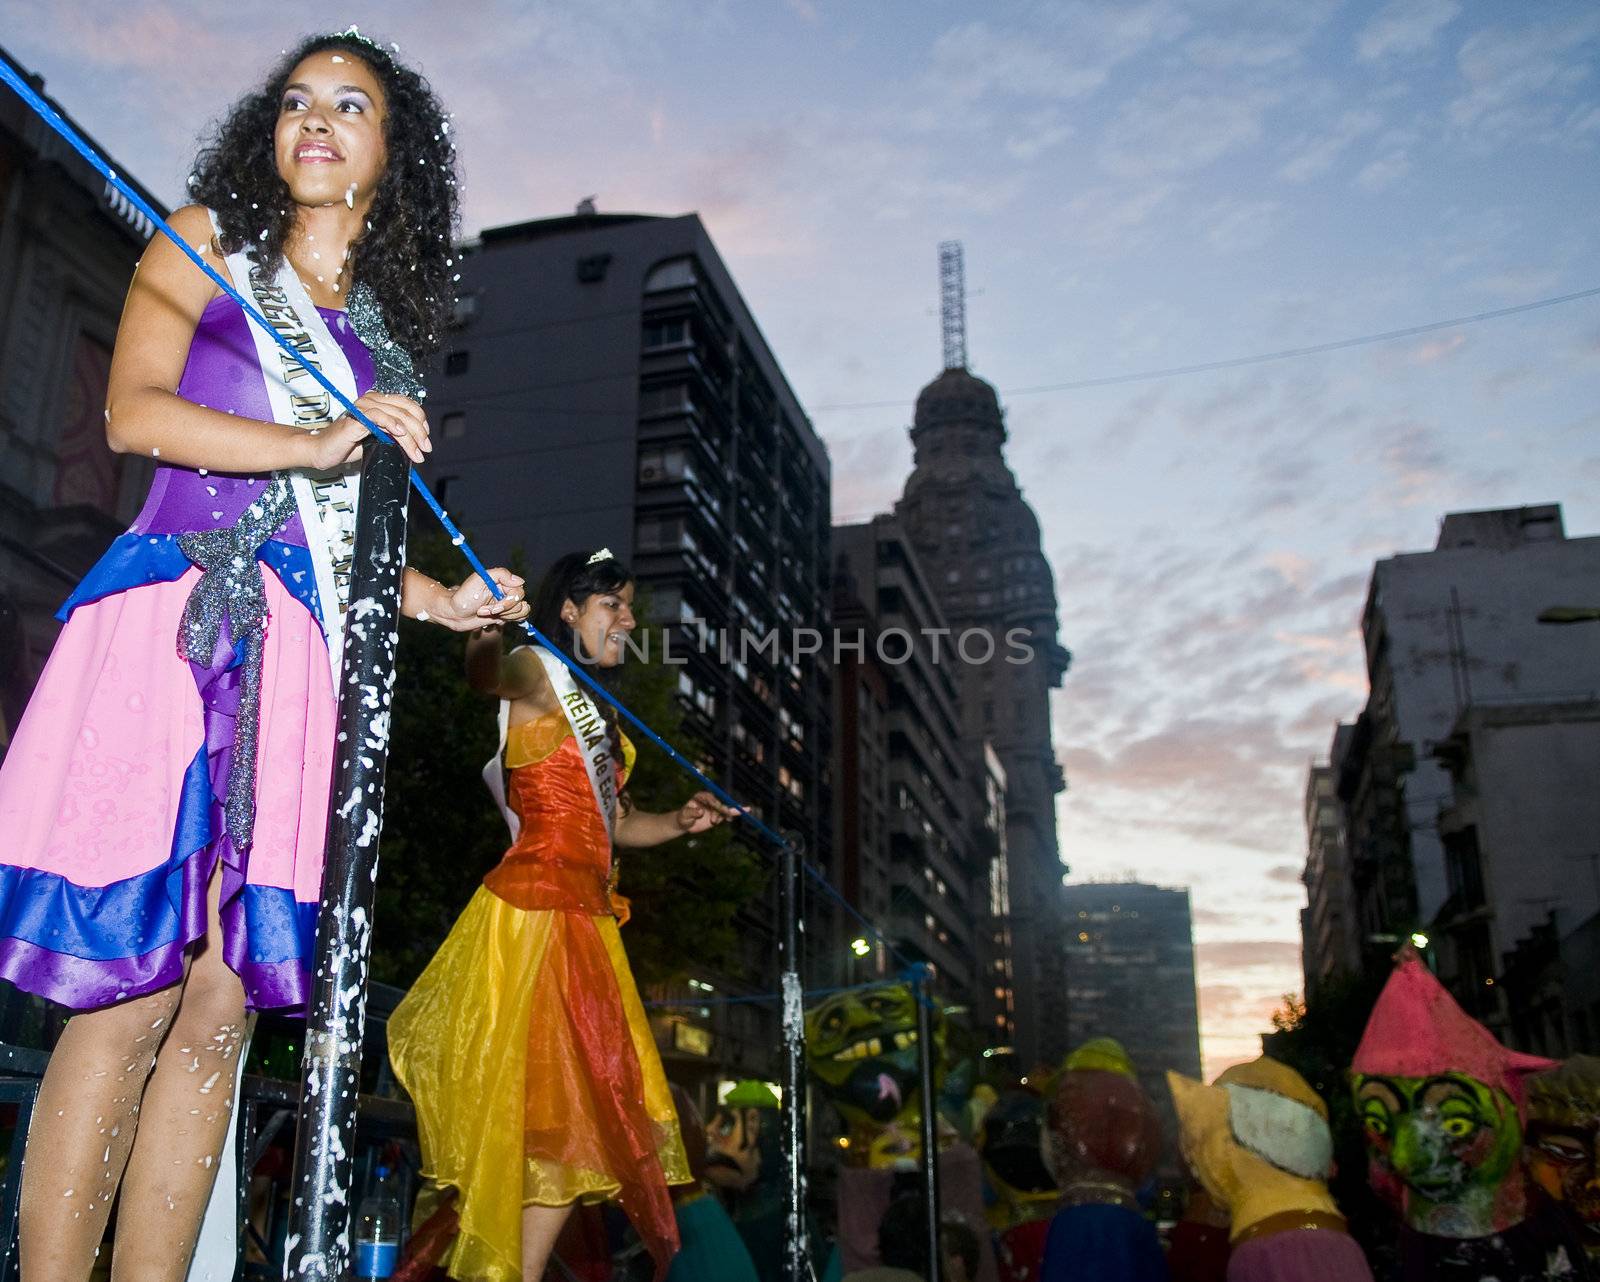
(1441,1103)
(862,1051)
(1258,1142)
(1010,1142)
(861,1046)
(1101,1141)
(1563,1143)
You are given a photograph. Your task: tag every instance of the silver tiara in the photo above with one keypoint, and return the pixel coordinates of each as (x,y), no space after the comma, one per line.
(353,34)
(604,554)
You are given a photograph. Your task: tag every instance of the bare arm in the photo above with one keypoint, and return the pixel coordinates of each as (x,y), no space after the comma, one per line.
(516,676)
(145,414)
(466,608)
(637,828)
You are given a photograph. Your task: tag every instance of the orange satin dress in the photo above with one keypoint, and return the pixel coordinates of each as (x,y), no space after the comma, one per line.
(524,1044)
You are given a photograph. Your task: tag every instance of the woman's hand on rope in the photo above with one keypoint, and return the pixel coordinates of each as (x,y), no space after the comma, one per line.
(341,441)
(472,606)
(702,811)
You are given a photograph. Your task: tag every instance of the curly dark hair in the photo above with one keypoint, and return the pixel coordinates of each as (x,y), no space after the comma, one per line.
(406,256)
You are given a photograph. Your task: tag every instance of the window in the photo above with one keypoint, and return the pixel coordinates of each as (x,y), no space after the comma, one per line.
(673,398)
(675,273)
(592,268)
(453,426)
(655,535)
(457,363)
(671,333)
(662,465)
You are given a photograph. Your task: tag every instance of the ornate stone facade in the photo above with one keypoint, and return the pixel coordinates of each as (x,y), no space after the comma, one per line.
(972,529)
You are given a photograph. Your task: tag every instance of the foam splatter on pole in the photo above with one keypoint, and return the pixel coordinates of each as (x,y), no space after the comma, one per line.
(796,1243)
(324,1164)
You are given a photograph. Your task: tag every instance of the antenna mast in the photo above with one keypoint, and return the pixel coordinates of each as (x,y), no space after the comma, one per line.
(953,304)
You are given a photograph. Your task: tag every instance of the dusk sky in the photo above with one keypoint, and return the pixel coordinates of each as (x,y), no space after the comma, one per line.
(1138,186)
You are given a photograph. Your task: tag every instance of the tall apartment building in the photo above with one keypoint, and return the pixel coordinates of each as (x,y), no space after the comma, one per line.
(607,385)
(942,846)
(1330,936)
(1449,632)
(68,245)
(1130,967)
(979,541)
(1519,834)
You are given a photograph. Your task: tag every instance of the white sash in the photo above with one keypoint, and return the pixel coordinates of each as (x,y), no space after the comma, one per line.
(327,500)
(588,728)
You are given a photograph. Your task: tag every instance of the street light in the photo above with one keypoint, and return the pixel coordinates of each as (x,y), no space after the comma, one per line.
(1570,614)
(860,947)
(1419,940)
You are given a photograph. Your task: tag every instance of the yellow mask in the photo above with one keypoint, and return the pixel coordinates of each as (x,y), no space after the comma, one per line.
(1258,1141)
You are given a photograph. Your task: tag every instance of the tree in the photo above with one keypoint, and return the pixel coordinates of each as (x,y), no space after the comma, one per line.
(685,893)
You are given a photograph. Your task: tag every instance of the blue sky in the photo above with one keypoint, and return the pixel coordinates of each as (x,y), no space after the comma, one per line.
(1138,185)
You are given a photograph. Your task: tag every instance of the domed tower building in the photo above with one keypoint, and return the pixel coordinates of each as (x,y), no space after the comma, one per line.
(965,516)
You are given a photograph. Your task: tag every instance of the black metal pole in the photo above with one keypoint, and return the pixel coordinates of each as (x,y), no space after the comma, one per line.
(930,1124)
(324,1148)
(796,1244)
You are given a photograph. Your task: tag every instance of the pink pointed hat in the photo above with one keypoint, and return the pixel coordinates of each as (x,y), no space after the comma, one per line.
(1416,1030)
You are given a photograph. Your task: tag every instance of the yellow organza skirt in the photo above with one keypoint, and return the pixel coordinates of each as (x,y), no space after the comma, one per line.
(525,1048)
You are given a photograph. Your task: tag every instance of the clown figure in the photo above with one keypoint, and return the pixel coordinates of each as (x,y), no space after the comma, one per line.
(1440,1102)
(1101,1142)
(1563,1143)
(1258,1142)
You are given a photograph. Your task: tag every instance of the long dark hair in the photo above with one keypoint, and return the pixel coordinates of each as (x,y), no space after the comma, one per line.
(405,256)
(576,577)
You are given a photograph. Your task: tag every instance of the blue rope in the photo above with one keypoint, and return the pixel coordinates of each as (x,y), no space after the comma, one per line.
(53,118)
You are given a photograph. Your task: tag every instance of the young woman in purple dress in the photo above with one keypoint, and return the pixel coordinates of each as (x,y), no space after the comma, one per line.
(165,795)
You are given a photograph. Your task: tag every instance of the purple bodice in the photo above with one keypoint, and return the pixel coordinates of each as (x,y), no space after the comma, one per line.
(223,373)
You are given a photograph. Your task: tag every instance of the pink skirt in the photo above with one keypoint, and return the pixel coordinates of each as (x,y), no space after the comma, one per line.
(111,805)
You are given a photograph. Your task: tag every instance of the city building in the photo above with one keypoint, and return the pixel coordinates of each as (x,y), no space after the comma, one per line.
(1330,936)
(945,892)
(979,542)
(1449,632)
(997,984)
(605,384)
(1130,971)
(68,245)
(861,787)
(1522,862)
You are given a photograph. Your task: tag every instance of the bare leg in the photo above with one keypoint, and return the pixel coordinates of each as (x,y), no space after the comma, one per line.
(83,1129)
(541,1226)
(187,1108)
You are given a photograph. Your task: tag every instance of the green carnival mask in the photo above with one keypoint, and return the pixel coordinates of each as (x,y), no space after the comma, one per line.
(861,1046)
(1444,1151)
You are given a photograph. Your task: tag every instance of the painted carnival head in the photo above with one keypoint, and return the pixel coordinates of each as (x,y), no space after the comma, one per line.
(1440,1102)
(341,123)
(1258,1142)
(1563,1141)
(1010,1142)
(861,1046)
(584,604)
(1101,1136)
(734,1134)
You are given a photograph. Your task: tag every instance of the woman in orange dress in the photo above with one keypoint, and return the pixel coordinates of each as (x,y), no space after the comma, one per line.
(524,1044)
